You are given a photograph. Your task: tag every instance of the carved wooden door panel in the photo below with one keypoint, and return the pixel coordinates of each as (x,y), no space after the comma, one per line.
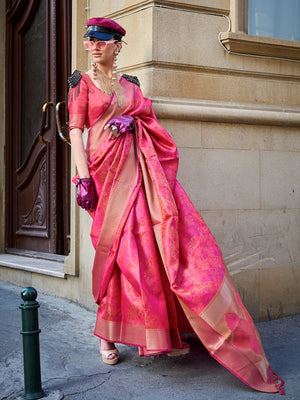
(37,177)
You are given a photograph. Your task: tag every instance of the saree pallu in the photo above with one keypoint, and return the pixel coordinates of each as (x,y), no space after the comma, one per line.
(158,270)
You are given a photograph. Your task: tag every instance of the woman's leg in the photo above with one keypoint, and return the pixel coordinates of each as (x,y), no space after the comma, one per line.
(104,345)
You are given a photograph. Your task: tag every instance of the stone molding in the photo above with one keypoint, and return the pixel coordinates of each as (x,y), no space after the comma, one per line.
(204,69)
(205,6)
(225,112)
(242,43)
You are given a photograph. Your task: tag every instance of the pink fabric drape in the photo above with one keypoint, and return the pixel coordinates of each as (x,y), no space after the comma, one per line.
(158,270)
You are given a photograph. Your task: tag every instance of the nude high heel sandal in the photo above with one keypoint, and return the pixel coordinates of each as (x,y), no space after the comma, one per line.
(107,355)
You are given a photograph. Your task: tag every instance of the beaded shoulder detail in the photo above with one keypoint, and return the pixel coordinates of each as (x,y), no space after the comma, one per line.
(74,79)
(133,79)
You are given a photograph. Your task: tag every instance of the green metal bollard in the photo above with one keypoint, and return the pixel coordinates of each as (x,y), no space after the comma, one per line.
(31,345)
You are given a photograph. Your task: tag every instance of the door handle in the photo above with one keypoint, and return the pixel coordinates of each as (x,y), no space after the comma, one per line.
(42,130)
(61,128)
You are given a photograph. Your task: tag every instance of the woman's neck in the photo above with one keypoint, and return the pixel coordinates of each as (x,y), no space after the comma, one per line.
(106,70)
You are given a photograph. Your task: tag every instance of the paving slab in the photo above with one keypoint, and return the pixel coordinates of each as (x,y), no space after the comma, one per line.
(72,369)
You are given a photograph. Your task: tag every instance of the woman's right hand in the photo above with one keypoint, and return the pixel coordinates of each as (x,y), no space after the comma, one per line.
(86,193)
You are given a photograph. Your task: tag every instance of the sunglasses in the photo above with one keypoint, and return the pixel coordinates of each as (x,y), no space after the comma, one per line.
(98,44)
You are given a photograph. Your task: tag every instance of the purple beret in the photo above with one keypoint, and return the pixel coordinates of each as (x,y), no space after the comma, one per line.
(104,29)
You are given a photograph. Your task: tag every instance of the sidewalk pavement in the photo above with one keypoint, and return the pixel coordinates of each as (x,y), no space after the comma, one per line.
(71,367)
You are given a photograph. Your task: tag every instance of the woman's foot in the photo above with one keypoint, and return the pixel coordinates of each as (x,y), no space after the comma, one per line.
(109,353)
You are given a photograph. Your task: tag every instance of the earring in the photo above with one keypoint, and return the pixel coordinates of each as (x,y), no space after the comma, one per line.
(114,73)
(94,65)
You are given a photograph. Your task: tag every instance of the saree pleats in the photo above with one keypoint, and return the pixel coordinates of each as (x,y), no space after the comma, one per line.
(158,270)
(138,299)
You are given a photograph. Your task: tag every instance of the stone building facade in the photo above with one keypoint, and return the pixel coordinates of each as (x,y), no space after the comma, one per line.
(231,102)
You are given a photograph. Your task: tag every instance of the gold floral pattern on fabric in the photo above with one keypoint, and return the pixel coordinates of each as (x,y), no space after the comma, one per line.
(157,266)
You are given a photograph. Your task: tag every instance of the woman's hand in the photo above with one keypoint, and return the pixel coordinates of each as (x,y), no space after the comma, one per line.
(86,193)
(120,125)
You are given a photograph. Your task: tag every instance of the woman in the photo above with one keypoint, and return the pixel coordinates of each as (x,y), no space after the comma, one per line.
(158,270)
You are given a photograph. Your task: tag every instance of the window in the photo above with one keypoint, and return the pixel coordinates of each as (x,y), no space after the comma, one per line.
(274,18)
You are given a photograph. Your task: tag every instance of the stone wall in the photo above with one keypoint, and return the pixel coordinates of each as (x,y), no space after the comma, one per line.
(236,122)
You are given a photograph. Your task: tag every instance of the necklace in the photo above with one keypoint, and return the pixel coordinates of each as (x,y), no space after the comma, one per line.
(109,85)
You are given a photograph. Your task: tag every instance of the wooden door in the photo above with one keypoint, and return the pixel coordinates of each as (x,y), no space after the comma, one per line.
(37,171)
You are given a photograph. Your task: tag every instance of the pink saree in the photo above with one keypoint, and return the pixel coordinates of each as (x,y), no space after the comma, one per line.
(158,270)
